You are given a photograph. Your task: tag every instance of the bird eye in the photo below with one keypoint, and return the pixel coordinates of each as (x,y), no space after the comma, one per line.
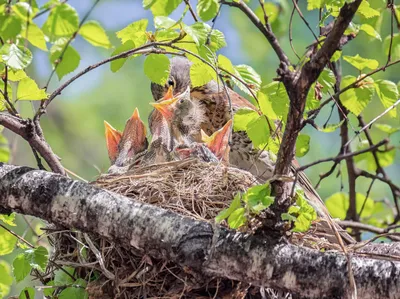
(171,82)
(181,101)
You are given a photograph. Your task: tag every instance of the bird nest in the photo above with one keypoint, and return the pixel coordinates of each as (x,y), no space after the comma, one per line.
(191,188)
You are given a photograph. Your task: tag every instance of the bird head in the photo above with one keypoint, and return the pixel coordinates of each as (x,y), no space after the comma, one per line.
(113,137)
(170,106)
(133,140)
(178,81)
(218,142)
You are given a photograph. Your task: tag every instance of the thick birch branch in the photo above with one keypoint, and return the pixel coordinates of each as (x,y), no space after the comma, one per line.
(198,246)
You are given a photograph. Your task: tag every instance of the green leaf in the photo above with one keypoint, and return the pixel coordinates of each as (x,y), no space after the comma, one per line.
(237,218)
(338,204)
(217,40)
(288,217)
(10,26)
(207,9)
(330,127)
(302,145)
(385,158)
(272,11)
(235,204)
(28,290)
(162,22)
(118,63)
(201,74)
(35,36)
(4,151)
(313,96)
(387,128)
(258,197)
(258,132)
(77,291)
(69,61)
(388,94)
(135,32)
(7,219)
(48,292)
(249,76)
(16,57)
(368,29)
(327,80)
(336,56)
(266,105)
(225,63)
(395,46)
(61,278)
(148,3)
(16,75)
(356,99)
(63,21)
(367,11)
(95,34)
(315,4)
(242,118)
(198,32)
(5,278)
(7,242)
(37,258)
(157,68)
(164,7)
(21,267)
(28,90)
(24,11)
(361,63)
(277,94)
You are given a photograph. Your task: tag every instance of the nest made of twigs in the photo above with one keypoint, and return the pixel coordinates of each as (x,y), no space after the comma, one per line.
(191,188)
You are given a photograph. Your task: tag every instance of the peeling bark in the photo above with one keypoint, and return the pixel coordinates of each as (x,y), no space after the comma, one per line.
(201,247)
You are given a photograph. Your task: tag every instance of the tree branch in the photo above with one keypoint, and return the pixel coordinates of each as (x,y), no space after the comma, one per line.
(314,67)
(28,130)
(198,246)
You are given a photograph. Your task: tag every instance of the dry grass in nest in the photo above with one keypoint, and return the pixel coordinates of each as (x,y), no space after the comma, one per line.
(192,188)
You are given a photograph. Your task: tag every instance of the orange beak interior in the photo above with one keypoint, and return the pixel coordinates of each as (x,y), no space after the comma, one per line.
(218,142)
(166,107)
(169,94)
(113,138)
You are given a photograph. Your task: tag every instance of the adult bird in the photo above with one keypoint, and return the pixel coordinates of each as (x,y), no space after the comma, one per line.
(131,146)
(217,101)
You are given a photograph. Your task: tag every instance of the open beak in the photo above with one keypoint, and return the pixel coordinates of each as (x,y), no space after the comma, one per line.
(169,94)
(133,139)
(166,107)
(218,142)
(113,137)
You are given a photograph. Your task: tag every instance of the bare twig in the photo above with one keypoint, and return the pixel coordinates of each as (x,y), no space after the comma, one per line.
(352,85)
(187,2)
(27,130)
(48,9)
(59,59)
(368,228)
(344,156)
(373,121)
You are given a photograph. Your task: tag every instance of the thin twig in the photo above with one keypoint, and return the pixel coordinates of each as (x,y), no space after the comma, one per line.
(187,2)
(48,9)
(59,59)
(344,156)
(373,121)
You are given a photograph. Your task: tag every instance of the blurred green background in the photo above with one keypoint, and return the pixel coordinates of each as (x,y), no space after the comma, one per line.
(74,126)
